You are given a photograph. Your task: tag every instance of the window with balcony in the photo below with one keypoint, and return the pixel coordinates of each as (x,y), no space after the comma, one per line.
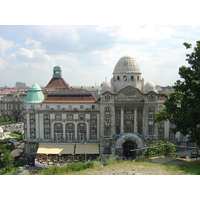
(69,136)
(69,128)
(81,117)
(58,117)
(107,110)
(81,128)
(69,117)
(107,120)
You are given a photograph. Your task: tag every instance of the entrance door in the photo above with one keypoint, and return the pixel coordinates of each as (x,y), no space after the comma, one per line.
(127,147)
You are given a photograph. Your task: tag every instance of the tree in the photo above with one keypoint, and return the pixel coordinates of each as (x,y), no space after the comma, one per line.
(182,107)
(160,148)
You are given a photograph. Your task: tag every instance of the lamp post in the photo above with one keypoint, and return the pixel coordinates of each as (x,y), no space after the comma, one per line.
(85,152)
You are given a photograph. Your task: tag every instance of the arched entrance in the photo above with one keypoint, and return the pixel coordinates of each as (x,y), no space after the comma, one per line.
(126,143)
(127,147)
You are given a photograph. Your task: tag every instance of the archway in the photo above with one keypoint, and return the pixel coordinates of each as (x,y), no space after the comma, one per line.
(127,147)
(127,142)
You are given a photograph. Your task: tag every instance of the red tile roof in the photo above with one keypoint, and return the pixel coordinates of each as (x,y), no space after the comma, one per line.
(57,83)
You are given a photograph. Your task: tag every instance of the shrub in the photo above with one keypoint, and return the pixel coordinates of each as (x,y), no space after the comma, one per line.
(77,166)
(167,150)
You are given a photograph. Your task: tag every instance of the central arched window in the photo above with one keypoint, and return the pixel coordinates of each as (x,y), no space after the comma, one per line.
(125,78)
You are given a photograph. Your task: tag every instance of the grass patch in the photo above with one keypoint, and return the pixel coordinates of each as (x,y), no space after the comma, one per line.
(191,168)
(15,134)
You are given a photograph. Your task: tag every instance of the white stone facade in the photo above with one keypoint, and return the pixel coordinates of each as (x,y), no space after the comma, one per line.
(120,121)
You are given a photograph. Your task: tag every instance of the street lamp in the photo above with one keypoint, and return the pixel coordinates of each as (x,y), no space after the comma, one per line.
(85,152)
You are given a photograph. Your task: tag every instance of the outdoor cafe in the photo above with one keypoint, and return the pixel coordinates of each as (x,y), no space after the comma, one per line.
(62,154)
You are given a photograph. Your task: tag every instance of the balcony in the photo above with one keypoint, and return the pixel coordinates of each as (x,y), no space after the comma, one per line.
(81,131)
(150,122)
(128,121)
(70,131)
(46,120)
(128,111)
(31,110)
(32,130)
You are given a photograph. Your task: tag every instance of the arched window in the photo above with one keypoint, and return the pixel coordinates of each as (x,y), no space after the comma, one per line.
(132,78)
(125,78)
(118,78)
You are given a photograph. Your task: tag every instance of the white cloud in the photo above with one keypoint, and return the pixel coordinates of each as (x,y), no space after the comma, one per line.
(5,45)
(82,71)
(33,43)
(26,55)
(2,65)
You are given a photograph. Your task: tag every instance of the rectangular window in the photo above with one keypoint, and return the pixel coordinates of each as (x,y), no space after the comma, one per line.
(70,107)
(69,117)
(47,107)
(93,107)
(81,117)
(58,107)
(81,106)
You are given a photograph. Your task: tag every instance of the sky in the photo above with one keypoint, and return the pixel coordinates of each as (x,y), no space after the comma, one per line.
(87,53)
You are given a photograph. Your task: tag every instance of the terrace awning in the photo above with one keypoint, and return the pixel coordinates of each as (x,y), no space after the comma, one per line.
(52,148)
(87,148)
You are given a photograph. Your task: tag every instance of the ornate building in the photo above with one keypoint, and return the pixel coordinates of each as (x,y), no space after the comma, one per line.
(73,121)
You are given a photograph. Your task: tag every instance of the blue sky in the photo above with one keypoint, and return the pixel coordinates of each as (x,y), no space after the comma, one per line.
(88,54)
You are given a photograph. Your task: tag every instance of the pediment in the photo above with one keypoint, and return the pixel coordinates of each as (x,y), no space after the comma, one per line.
(129,93)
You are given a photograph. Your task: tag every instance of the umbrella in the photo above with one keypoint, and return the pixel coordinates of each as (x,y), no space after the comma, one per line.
(21,146)
(16,152)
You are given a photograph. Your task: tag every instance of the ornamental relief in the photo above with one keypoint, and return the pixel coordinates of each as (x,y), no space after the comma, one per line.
(129,91)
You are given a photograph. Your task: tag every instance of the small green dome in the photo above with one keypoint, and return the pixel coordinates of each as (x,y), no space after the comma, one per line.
(57,72)
(34,95)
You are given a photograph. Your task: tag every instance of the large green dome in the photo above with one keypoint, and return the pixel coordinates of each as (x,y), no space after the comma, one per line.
(34,95)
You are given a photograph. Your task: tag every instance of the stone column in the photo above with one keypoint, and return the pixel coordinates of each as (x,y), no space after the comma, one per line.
(75,130)
(41,126)
(87,131)
(37,126)
(64,130)
(28,125)
(122,120)
(98,127)
(135,120)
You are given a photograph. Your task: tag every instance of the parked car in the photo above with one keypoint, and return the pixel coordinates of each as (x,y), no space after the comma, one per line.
(20,169)
(12,140)
(195,154)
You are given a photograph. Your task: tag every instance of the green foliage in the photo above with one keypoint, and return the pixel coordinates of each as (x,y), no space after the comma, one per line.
(7,159)
(167,149)
(73,167)
(7,119)
(110,160)
(10,146)
(1,119)
(182,107)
